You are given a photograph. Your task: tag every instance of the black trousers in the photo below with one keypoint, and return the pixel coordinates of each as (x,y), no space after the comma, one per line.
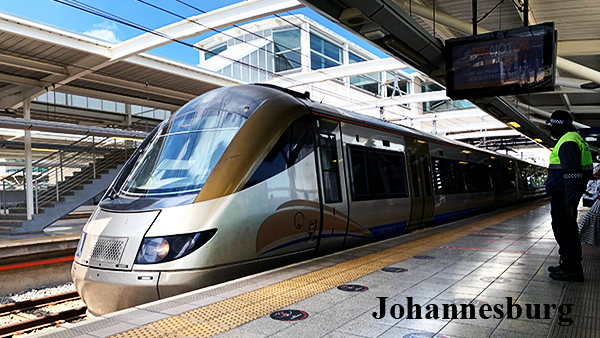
(566,232)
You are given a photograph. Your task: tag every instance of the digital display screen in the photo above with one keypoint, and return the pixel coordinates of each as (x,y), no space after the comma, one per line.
(508,62)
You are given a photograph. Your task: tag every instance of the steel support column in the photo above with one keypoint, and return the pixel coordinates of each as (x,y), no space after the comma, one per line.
(28,163)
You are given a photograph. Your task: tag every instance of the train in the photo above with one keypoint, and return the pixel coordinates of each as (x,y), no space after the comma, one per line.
(247,178)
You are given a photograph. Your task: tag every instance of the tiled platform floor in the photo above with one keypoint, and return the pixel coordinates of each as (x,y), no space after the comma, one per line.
(480,260)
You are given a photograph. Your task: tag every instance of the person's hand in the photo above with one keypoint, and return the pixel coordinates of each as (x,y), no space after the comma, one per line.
(571,216)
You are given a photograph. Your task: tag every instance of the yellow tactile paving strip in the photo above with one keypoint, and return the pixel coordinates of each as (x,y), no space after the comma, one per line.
(230,313)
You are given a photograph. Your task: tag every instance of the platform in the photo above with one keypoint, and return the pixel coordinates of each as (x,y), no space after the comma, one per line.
(481,260)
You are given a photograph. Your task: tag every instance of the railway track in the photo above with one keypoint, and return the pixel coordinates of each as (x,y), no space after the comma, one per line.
(32,322)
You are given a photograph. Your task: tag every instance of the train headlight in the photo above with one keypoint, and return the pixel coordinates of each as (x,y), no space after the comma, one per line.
(168,248)
(80,245)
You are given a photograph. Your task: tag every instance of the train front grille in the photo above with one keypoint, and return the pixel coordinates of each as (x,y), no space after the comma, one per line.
(107,249)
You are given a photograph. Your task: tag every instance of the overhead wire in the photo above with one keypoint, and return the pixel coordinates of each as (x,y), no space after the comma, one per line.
(112,17)
(363,76)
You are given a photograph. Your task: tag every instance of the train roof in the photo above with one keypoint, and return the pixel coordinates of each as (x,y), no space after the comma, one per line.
(373,122)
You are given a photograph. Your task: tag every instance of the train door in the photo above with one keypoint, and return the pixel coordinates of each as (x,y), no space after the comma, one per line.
(334,219)
(497,168)
(420,182)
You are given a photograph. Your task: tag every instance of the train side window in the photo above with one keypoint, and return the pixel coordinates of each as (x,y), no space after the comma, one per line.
(454,177)
(388,174)
(274,163)
(509,177)
(478,177)
(295,144)
(376,174)
(330,168)
(301,140)
(358,173)
(448,179)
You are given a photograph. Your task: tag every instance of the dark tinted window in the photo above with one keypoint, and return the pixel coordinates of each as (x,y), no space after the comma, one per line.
(509,177)
(478,177)
(294,145)
(330,168)
(358,171)
(286,45)
(446,177)
(388,174)
(452,177)
(376,174)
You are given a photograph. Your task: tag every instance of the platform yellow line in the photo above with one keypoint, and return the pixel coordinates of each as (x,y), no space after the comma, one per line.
(227,314)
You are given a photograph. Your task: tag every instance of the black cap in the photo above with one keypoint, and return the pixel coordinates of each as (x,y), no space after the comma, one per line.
(561,117)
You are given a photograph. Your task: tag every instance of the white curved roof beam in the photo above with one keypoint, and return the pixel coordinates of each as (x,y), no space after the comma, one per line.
(182,69)
(104,54)
(354,69)
(404,99)
(200,24)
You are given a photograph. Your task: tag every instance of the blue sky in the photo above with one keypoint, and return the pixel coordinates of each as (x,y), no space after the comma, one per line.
(60,15)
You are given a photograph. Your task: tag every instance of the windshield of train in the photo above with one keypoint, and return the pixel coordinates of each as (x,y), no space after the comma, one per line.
(184,153)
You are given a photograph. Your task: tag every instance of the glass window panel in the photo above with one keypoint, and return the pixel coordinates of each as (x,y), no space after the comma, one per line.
(214,51)
(366,82)
(109,105)
(270,58)
(326,48)
(262,61)
(301,140)
(61,98)
(286,40)
(295,144)
(42,98)
(273,164)
(79,101)
(287,60)
(353,58)
(236,71)
(319,62)
(227,71)
(180,160)
(358,167)
(254,59)
(333,51)
(316,43)
(330,168)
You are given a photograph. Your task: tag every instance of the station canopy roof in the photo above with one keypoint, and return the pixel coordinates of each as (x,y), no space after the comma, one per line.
(36,58)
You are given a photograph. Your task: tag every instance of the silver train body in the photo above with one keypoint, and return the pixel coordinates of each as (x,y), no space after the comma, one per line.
(247,178)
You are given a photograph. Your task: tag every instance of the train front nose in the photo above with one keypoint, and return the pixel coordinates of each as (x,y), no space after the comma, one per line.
(103,268)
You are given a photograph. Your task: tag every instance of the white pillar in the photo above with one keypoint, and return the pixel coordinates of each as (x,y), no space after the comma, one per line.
(28,163)
(305,48)
(128,114)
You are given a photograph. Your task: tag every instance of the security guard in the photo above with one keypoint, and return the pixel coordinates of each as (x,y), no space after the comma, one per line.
(569,171)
